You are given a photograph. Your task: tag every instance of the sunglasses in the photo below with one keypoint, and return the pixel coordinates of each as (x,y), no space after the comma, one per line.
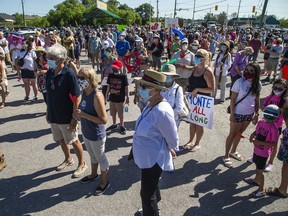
(278,89)
(199,56)
(114,70)
(81,77)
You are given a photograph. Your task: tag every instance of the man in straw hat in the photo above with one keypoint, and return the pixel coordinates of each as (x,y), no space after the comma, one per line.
(154,139)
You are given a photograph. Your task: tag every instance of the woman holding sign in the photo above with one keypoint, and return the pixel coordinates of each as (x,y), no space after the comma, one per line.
(244,108)
(201,82)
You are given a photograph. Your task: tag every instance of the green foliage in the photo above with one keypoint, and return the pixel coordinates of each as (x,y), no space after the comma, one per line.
(221,18)
(209,17)
(144,11)
(18,19)
(283,23)
(38,22)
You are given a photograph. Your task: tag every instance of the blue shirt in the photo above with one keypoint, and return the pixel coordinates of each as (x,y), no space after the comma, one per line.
(59,104)
(91,130)
(122,47)
(94,44)
(155,134)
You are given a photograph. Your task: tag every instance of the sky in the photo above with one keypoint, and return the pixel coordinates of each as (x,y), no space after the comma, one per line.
(166,7)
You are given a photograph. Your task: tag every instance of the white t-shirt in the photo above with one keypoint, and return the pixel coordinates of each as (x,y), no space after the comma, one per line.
(225,66)
(15,52)
(188,59)
(246,106)
(3,41)
(28,60)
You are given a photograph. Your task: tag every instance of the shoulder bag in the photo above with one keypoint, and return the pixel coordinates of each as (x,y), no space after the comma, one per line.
(229,108)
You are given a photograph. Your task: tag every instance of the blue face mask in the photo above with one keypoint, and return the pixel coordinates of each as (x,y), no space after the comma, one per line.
(168,79)
(223,47)
(197,60)
(144,93)
(52,64)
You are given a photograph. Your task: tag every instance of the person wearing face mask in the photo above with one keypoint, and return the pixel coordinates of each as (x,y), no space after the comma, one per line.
(273,60)
(69,44)
(184,64)
(94,47)
(213,46)
(122,48)
(221,66)
(244,105)
(93,116)
(154,140)
(15,47)
(28,69)
(107,67)
(156,50)
(201,82)
(176,45)
(194,46)
(240,62)
(63,97)
(276,97)
(138,58)
(118,95)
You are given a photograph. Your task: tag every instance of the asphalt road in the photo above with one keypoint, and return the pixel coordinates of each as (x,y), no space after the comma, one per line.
(201,185)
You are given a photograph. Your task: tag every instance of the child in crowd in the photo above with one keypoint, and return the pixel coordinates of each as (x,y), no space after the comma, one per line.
(276,97)
(281,191)
(264,138)
(119,95)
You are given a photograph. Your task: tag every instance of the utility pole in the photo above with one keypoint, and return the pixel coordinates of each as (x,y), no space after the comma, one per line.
(263,13)
(193,11)
(157,11)
(238,11)
(23,12)
(150,12)
(175,8)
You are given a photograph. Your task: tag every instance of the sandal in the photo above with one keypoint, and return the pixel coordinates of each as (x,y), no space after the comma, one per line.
(194,148)
(257,194)
(250,181)
(227,163)
(188,146)
(236,156)
(275,192)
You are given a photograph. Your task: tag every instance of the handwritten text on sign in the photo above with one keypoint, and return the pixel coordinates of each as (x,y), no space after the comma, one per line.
(155,26)
(201,110)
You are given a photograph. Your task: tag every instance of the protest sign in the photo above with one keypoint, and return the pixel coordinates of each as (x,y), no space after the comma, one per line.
(171,22)
(155,26)
(201,110)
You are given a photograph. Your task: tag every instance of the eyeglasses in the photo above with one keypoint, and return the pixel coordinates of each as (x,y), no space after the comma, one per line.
(199,56)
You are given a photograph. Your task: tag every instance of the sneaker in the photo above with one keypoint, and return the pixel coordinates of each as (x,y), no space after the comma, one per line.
(100,190)
(2,163)
(268,168)
(80,171)
(35,98)
(122,130)
(87,179)
(250,160)
(139,213)
(112,127)
(26,98)
(64,165)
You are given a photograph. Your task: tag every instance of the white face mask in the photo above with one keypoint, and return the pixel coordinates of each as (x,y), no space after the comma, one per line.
(83,84)
(276,92)
(194,47)
(184,47)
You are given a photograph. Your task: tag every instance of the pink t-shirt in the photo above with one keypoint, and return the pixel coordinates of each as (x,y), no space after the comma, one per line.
(274,99)
(265,132)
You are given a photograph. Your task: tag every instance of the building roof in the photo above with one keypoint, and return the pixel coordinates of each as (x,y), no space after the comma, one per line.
(7,16)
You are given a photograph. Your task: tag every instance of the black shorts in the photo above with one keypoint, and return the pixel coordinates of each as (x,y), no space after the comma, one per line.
(260,161)
(28,74)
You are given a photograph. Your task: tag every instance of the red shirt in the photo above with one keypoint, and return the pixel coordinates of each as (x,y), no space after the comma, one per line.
(255,44)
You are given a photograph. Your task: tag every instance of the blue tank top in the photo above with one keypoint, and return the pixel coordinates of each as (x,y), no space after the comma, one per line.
(91,130)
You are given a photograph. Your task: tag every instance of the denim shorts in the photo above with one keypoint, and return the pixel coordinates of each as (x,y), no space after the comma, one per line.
(283,153)
(241,118)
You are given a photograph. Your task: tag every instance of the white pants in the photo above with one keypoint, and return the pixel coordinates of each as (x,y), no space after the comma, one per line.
(222,87)
(96,150)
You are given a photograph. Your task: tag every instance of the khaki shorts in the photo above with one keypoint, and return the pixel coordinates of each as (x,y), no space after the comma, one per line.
(61,131)
(117,108)
(272,64)
(7,57)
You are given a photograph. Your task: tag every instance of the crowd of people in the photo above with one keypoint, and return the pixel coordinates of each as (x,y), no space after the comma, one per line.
(198,62)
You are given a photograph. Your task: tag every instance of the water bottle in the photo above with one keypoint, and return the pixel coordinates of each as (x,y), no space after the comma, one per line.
(126,109)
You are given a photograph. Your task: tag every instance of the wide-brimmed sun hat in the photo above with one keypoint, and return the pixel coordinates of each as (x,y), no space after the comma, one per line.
(170,70)
(40,49)
(153,78)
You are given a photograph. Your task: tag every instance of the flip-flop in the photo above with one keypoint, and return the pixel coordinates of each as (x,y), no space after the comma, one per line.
(195,148)
(236,156)
(275,192)
(227,163)
(188,146)
(257,194)
(250,181)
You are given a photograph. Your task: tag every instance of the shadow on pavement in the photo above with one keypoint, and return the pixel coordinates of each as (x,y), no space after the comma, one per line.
(16,190)
(15,137)
(21,117)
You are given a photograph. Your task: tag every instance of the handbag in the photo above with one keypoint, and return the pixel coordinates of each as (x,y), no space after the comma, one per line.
(184,112)
(21,61)
(229,107)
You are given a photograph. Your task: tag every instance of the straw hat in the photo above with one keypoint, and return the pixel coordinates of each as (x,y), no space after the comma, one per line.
(170,70)
(153,78)
(226,43)
(40,49)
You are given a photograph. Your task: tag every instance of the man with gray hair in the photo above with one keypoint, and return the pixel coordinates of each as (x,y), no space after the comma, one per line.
(63,96)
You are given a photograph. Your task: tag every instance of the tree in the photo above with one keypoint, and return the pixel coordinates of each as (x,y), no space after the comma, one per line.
(71,12)
(209,17)
(38,22)
(145,11)
(233,15)
(88,3)
(18,19)
(283,23)
(221,18)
